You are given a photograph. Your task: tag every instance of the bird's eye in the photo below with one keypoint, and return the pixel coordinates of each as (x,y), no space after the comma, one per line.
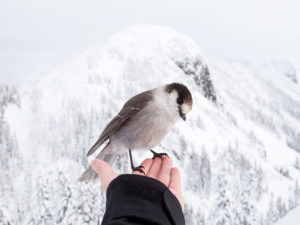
(179,101)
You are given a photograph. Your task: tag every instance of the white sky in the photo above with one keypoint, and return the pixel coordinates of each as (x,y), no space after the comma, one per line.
(36,35)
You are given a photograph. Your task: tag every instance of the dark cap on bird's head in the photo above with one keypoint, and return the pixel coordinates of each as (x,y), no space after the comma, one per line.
(184,98)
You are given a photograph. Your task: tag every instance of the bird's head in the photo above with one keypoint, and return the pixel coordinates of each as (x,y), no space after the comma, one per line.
(182,98)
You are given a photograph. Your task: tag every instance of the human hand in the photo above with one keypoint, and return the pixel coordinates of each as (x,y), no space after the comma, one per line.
(159,169)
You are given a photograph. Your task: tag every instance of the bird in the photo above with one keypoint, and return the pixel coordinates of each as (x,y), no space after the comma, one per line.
(142,123)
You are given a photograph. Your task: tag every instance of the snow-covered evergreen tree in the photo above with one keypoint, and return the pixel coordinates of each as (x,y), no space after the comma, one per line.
(222,208)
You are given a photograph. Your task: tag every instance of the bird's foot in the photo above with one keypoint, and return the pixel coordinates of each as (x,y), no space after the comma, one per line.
(139,169)
(160,155)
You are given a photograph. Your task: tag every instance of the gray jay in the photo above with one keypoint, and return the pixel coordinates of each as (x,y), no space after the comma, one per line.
(143,122)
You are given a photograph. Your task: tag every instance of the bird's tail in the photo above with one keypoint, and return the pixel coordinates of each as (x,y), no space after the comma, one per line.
(106,155)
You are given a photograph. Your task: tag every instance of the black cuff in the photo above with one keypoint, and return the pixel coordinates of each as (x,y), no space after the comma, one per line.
(135,198)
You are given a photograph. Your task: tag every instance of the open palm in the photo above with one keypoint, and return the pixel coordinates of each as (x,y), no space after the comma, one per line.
(159,169)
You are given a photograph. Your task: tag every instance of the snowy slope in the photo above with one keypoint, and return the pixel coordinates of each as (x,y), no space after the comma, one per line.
(238,149)
(292,218)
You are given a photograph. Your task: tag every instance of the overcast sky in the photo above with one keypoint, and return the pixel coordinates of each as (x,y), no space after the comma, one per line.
(37,35)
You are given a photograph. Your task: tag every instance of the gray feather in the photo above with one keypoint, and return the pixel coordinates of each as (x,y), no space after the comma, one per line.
(129,110)
(89,174)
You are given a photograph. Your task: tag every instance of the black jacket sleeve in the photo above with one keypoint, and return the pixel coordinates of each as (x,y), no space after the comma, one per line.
(135,199)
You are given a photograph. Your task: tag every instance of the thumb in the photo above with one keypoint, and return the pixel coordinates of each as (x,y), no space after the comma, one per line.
(104,171)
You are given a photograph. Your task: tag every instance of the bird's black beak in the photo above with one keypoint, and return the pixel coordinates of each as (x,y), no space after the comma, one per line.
(182,115)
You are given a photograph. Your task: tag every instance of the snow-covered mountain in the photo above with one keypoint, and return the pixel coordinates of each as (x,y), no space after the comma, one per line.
(238,150)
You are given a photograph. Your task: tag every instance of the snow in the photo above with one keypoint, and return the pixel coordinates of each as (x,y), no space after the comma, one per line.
(239,149)
(292,218)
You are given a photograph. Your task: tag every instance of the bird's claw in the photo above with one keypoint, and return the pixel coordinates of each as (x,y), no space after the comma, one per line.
(160,155)
(139,169)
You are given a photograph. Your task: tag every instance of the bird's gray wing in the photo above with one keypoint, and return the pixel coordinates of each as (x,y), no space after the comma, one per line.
(129,110)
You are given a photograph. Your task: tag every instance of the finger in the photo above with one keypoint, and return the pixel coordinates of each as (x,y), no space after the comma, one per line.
(175,180)
(175,185)
(155,168)
(146,164)
(164,175)
(104,171)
